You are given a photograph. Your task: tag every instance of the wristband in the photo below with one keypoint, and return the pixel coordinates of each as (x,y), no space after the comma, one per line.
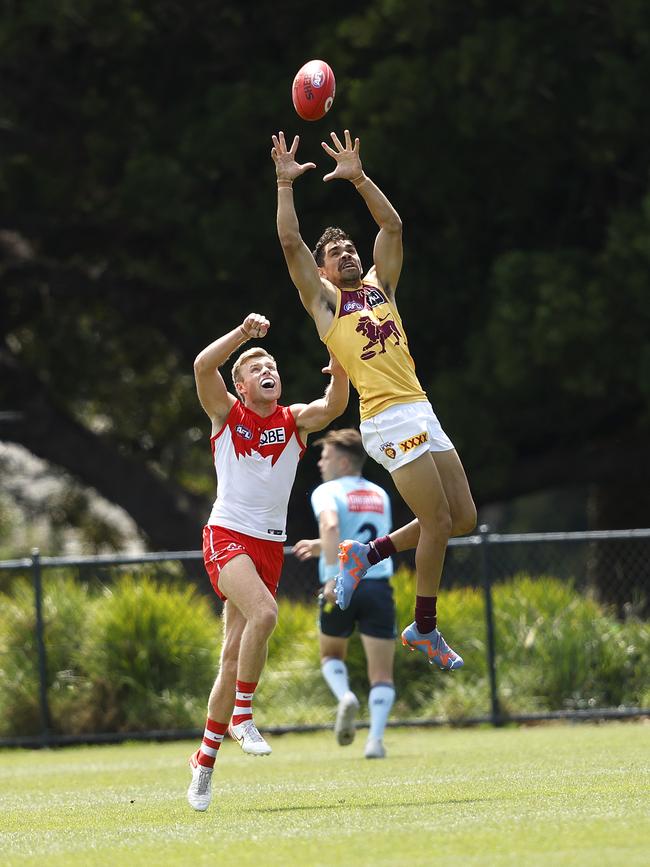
(284,184)
(330,572)
(359,180)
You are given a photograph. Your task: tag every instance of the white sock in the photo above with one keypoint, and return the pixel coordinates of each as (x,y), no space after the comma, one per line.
(380,701)
(335,672)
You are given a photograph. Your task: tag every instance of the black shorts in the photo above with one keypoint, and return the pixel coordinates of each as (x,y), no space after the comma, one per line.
(372,608)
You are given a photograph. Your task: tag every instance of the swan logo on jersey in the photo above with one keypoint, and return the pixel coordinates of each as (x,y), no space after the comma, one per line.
(414,442)
(273,436)
(244,432)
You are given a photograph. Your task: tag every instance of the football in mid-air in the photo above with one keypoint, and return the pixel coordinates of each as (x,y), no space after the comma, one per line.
(313,90)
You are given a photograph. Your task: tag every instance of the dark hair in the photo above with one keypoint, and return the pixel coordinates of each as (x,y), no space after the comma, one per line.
(332,233)
(347,440)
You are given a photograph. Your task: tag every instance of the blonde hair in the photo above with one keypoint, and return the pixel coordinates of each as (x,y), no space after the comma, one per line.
(253,352)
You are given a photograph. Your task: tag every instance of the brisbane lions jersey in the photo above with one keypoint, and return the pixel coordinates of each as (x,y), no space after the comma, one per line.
(256,461)
(367,337)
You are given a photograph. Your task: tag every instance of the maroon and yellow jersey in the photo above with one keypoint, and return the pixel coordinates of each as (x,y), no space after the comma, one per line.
(367,337)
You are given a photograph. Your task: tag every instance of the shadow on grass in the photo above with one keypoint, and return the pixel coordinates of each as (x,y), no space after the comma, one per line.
(373,806)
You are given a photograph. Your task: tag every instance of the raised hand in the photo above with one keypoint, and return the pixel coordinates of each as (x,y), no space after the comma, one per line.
(348,162)
(287,167)
(255,325)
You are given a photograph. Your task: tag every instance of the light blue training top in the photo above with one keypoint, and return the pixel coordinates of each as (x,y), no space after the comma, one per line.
(364,513)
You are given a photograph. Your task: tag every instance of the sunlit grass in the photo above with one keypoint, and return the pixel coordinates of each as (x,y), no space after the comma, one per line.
(569,795)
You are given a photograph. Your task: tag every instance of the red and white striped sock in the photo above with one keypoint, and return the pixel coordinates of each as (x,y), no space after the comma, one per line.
(212,739)
(243,709)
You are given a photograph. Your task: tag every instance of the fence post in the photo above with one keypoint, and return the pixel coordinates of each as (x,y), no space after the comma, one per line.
(489,626)
(40,644)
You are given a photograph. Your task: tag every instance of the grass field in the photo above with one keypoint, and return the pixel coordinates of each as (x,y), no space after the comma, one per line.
(561,794)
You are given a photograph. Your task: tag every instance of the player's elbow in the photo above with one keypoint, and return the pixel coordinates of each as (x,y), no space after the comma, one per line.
(201,366)
(393,224)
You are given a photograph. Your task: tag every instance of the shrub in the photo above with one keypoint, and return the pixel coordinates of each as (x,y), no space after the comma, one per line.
(558,649)
(143,655)
(66,614)
(151,655)
(292,690)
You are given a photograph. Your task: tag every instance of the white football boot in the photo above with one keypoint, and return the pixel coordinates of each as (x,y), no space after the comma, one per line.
(199,793)
(249,739)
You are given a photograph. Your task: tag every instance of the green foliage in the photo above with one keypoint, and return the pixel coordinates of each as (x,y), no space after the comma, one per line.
(67,610)
(556,650)
(138,656)
(143,655)
(151,656)
(513,140)
(292,690)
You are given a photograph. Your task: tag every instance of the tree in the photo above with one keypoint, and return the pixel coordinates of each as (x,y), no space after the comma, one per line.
(138,222)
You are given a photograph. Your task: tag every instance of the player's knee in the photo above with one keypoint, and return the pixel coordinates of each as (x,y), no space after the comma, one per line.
(266,618)
(437,524)
(441,522)
(465,521)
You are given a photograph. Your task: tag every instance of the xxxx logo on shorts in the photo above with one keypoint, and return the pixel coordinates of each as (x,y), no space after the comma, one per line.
(388,449)
(413,442)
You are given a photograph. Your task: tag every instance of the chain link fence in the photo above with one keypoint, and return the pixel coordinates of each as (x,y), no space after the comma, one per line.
(610,567)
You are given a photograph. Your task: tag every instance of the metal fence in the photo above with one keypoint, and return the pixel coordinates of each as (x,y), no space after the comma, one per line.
(612,566)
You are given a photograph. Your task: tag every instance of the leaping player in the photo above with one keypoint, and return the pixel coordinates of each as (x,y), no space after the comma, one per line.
(357,319)
(256,444)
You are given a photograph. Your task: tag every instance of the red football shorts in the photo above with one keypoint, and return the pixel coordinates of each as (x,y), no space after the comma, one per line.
(221,545)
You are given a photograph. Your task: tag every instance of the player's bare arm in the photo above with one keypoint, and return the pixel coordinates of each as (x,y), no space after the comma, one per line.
(319,413)
(318,299)
(387,254)
(330,536)
(215,398)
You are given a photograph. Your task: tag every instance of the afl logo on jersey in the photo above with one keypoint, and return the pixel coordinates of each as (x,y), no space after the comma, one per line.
(244,432)
(273,436)
(351,306)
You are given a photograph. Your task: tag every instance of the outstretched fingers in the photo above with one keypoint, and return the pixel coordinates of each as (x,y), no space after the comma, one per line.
(280,144)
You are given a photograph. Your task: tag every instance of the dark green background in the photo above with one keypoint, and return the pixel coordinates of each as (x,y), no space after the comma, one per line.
(138,223)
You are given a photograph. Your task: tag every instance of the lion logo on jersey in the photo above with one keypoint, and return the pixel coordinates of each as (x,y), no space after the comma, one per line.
(376,334)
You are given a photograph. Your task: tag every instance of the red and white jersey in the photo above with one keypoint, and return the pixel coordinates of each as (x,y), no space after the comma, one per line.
(256,461)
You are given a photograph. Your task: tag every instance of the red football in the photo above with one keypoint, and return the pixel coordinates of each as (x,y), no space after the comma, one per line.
(313,90)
